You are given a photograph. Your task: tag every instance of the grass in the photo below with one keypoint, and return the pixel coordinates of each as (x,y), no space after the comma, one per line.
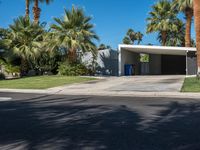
(191,85)
(41,82)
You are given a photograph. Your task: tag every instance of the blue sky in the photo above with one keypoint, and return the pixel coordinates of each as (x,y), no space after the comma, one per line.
(112,18)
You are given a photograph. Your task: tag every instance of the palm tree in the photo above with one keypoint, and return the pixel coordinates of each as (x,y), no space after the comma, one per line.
(186,6)
(27,8)
(37,10)
(162,19)
(139,37)
(175,38)
(74,33)
(126,40)
(102,47)
(197,28)
(132,35)
(24,39)
(130,38)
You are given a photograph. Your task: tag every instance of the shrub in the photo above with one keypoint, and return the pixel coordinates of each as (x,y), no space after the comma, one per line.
(14,70)
(2,76)
(76,69)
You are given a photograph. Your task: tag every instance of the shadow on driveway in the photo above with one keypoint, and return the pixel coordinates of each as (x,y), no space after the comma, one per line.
(58,123)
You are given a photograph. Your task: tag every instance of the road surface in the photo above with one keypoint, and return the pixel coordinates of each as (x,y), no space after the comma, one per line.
(53,122)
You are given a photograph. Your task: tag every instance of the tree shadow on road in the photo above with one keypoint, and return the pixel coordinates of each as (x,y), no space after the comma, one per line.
(72,124)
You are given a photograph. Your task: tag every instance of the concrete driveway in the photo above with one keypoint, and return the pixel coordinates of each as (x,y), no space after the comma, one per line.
(156,84)
(149,84)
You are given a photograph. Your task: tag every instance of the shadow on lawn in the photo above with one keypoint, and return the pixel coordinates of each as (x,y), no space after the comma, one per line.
(49,123)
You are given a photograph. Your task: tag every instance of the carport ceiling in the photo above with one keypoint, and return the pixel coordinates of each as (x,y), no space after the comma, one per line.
(163,50)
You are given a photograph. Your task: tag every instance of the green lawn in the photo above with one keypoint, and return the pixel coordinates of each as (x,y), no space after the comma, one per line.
(191,85)
(41,82)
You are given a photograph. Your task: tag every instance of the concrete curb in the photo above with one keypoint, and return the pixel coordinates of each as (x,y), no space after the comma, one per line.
(118,94)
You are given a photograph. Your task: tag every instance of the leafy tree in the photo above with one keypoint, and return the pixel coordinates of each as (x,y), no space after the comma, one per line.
(185,6)
(47,62)
(24,39)
(162,19)
(74,33)
(3,33)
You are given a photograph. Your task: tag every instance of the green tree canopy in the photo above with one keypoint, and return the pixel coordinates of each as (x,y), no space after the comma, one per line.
(25,39)
(162,19)
(74,33)
(132,36)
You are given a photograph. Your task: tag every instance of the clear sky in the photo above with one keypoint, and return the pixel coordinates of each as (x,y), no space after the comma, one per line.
(112,18)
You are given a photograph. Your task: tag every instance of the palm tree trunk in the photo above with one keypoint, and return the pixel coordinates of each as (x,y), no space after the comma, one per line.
(189,15)
(23,67)
(72,56)
(197,28)
(164,38)
(36,11)
(27,8)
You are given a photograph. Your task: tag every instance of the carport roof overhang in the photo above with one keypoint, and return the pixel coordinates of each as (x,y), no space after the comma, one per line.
(163,50)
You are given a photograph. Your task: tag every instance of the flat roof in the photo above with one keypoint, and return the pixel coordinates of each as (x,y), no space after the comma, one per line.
(164,50)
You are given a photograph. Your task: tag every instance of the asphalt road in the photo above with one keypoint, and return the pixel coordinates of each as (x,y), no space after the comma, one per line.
(52,122)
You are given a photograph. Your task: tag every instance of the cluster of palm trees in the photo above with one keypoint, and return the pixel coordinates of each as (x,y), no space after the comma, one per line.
(164,19)
(32,41)
(132,36)
(172,31)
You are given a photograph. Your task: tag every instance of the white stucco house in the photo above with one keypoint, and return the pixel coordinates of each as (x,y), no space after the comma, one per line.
(163,60)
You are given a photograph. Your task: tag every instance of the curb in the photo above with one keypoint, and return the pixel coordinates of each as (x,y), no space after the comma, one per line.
(118,94)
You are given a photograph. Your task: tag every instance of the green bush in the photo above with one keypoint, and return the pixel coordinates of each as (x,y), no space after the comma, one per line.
(2,76)
(14,70)
(76,69)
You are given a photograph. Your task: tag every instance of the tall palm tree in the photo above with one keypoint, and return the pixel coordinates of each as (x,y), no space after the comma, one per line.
(74,33)
(27,8)
(130,38)
(197,28)
(24,39)
(139,37)
(37,10)
(162,19)
(175,38)
(186,6)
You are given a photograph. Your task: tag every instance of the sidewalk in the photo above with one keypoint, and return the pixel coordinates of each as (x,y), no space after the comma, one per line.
(87,89)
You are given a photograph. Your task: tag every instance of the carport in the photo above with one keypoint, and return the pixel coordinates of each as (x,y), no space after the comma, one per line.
(163,60)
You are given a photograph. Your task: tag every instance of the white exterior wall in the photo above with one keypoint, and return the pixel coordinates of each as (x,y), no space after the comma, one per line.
(107,62)
(127,57)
